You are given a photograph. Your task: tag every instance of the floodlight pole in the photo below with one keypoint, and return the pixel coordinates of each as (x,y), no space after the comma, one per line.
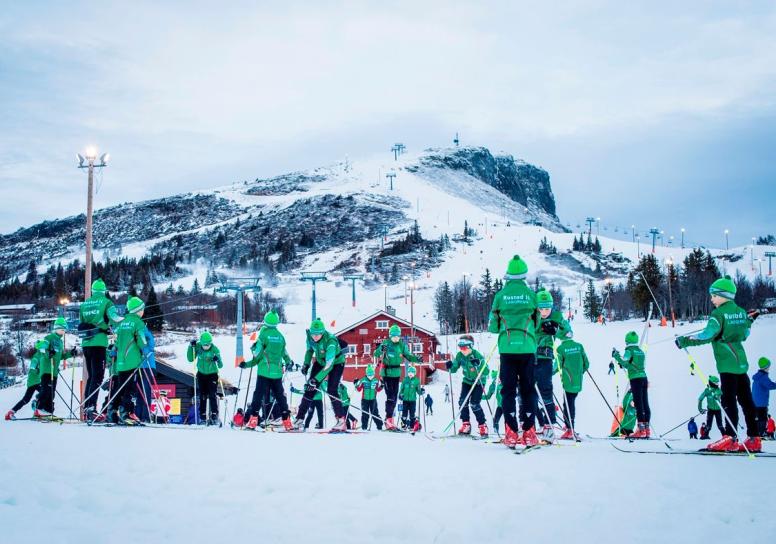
(91,157)
(313,277)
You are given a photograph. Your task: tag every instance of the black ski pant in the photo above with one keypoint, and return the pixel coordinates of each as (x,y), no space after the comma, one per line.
(207,390)
(497,416)
(474,400)
(544,383)
(694,435)
(715,415)
(334,376)
(570,409)
(737,390)
(369,411)
(26,398)
(266,388)
(408,412)
(762,420)
(429,409)
(641,399)
(517,372)
(391,395)
(94,360)
(48,386)
(313,406)
(125,389)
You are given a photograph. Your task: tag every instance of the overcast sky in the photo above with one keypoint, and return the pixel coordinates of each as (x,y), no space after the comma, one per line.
(657,115)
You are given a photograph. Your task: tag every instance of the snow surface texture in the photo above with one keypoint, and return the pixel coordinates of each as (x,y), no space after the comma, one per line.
(72,483)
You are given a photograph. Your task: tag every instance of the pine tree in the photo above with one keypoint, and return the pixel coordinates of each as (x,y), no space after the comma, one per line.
(153,312)
(591,302)
(195,290)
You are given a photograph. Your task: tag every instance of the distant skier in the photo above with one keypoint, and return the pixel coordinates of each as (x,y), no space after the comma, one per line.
(495,387)
(762,386)
(208,359)
(475,374)
(692,428)
(514,317)
(33,379)
(49,369)
(713,412)
(447,393)
(551,324)
(633,360)
(429,405)
(572,364)
(726,331)
(770,429)
(410,390)
(130,351)
(704,432)
(391,353)
(369,386)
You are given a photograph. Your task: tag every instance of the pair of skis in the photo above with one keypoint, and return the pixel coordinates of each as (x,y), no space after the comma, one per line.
(698,452)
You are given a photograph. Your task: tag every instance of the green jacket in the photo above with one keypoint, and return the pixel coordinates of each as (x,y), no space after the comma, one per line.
(208,360)
(410,389)
(633,360)
(369,387)
(712,396)
(392,356)
(36,363)
(514,317)
(55,354)
(99,311)
(130,342)
(342,392)
(471,365)
(269,353)
(494,388)
(545,342)
(573,363)
(628,421)
(327,353)
(727,329)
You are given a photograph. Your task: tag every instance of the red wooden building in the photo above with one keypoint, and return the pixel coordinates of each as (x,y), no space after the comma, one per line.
(364,337)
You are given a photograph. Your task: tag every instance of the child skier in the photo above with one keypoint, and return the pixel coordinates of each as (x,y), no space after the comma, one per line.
(410,389)
(551,324)
(572,364)
(391,353)
(475,374)
(726,331)
(327,359)
(208,359)
(33,379)
(429,405)
(713,412)
(692,428)
(344,396)
(495,388)
(369,386)
(762,386)
(130,352)
(49,369)
(633,360)
(514,318)
(629,416)
(269,357)
(770,429)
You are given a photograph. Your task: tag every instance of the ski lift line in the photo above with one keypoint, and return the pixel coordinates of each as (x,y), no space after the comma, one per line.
(662,315)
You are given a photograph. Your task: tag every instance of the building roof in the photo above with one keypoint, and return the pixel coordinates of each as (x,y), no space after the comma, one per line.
(388,317)
(12,307)
(187,378)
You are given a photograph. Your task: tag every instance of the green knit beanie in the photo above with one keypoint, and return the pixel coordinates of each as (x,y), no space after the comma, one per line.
(631,339)
(764,363)
(98,286)
(517,269)
(60,324)
(135,305)
(271,318)
(411,370)
(713,379)
(317,327)
(723,287)
(394,331)
(544,299)
(206,338)
(370,371)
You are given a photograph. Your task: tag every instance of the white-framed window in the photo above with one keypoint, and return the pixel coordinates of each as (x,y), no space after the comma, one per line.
(382,324)
(417,347)
(367,349)
(363,331)
(351,349)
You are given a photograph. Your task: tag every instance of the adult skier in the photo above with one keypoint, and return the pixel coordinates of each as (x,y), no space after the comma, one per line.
(369,386)
(475,374)
(551,324)
(131,349)
(96,315)
(514,317)
(270,356)
(208,359)
(49,369)
(572,364)
(391,354)
(727,330)
(713,411)
(327,360)
(410,389)
(762,385)
(633,360)
(33,379)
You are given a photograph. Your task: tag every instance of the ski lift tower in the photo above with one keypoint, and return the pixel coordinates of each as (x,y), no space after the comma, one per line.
(770,255)
(655,233)
(313,277)
(353,278)
(590,221)
(391,176)
(240,286)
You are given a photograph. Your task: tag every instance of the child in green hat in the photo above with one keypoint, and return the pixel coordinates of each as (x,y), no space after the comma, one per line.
(572,364)
(713,412)
(49,369)
(475,374)
(130,352)
(634,361)
(208,359)
(410,389)
(369,386)
(762,385)
(391,354)
(33,379)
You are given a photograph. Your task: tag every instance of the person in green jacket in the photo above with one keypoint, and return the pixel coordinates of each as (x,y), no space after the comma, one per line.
(131,349)
(208,359)
(96,315)
(514,316)
(572,364)
(344,397)
(33,379)
(270,357)
(475,374)
(315,407)
(551,325)
(324,359)
(727,330)
(713,411)
(391,354)
(409,391)
(49,366)
(628,421)
(634,360)
(369,386)
(495,388)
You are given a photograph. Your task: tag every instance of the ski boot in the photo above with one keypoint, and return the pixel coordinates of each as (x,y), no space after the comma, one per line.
(483,431)
(40,413)
(239,418)
(547,433)
(299,425)
(214,420)
(10,415)
(567,434)
(511,439)
(99,418)
(416,426)
(389,424)
(253,422)
(724,444)
(112,416)
(753,444)
(642,433)
(466,428)
(340,426)
(287,425)
(529,438)
(647,430)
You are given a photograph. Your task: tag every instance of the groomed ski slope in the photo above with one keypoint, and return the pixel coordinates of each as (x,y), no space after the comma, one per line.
(70,483)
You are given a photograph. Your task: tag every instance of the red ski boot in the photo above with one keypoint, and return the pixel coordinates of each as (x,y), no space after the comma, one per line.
(466,428)
(483,431)
(416,426)
(287,425)
(753,444)
(10,415)
(511,439)
(340,426)
(643,432)
(724,444)
(389,424)
(253,422)
(567,435)
(529,438)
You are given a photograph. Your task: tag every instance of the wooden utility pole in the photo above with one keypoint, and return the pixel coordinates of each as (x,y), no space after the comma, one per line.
(91,156)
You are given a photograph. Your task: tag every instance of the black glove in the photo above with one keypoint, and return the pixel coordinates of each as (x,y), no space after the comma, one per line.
(73,351)
(611,368)
(615,353)
(311,385)
(550,327)
(703,411)
(243,365)
(305,369)
(448,364)
(216,358)
(193,343)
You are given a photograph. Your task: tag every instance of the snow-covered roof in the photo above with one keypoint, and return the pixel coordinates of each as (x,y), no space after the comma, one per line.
(17,307)
(389,317)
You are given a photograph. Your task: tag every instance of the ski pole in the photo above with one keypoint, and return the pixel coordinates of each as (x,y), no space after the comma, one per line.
(237,396)
(326,394)
(116,394)
(247,392)
(604,398)
(539,400)
(471,390)
(452,397)
(672,429)
(567,407)
(65,403)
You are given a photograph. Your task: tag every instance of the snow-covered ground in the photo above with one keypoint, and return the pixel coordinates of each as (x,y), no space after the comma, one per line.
(71,483)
